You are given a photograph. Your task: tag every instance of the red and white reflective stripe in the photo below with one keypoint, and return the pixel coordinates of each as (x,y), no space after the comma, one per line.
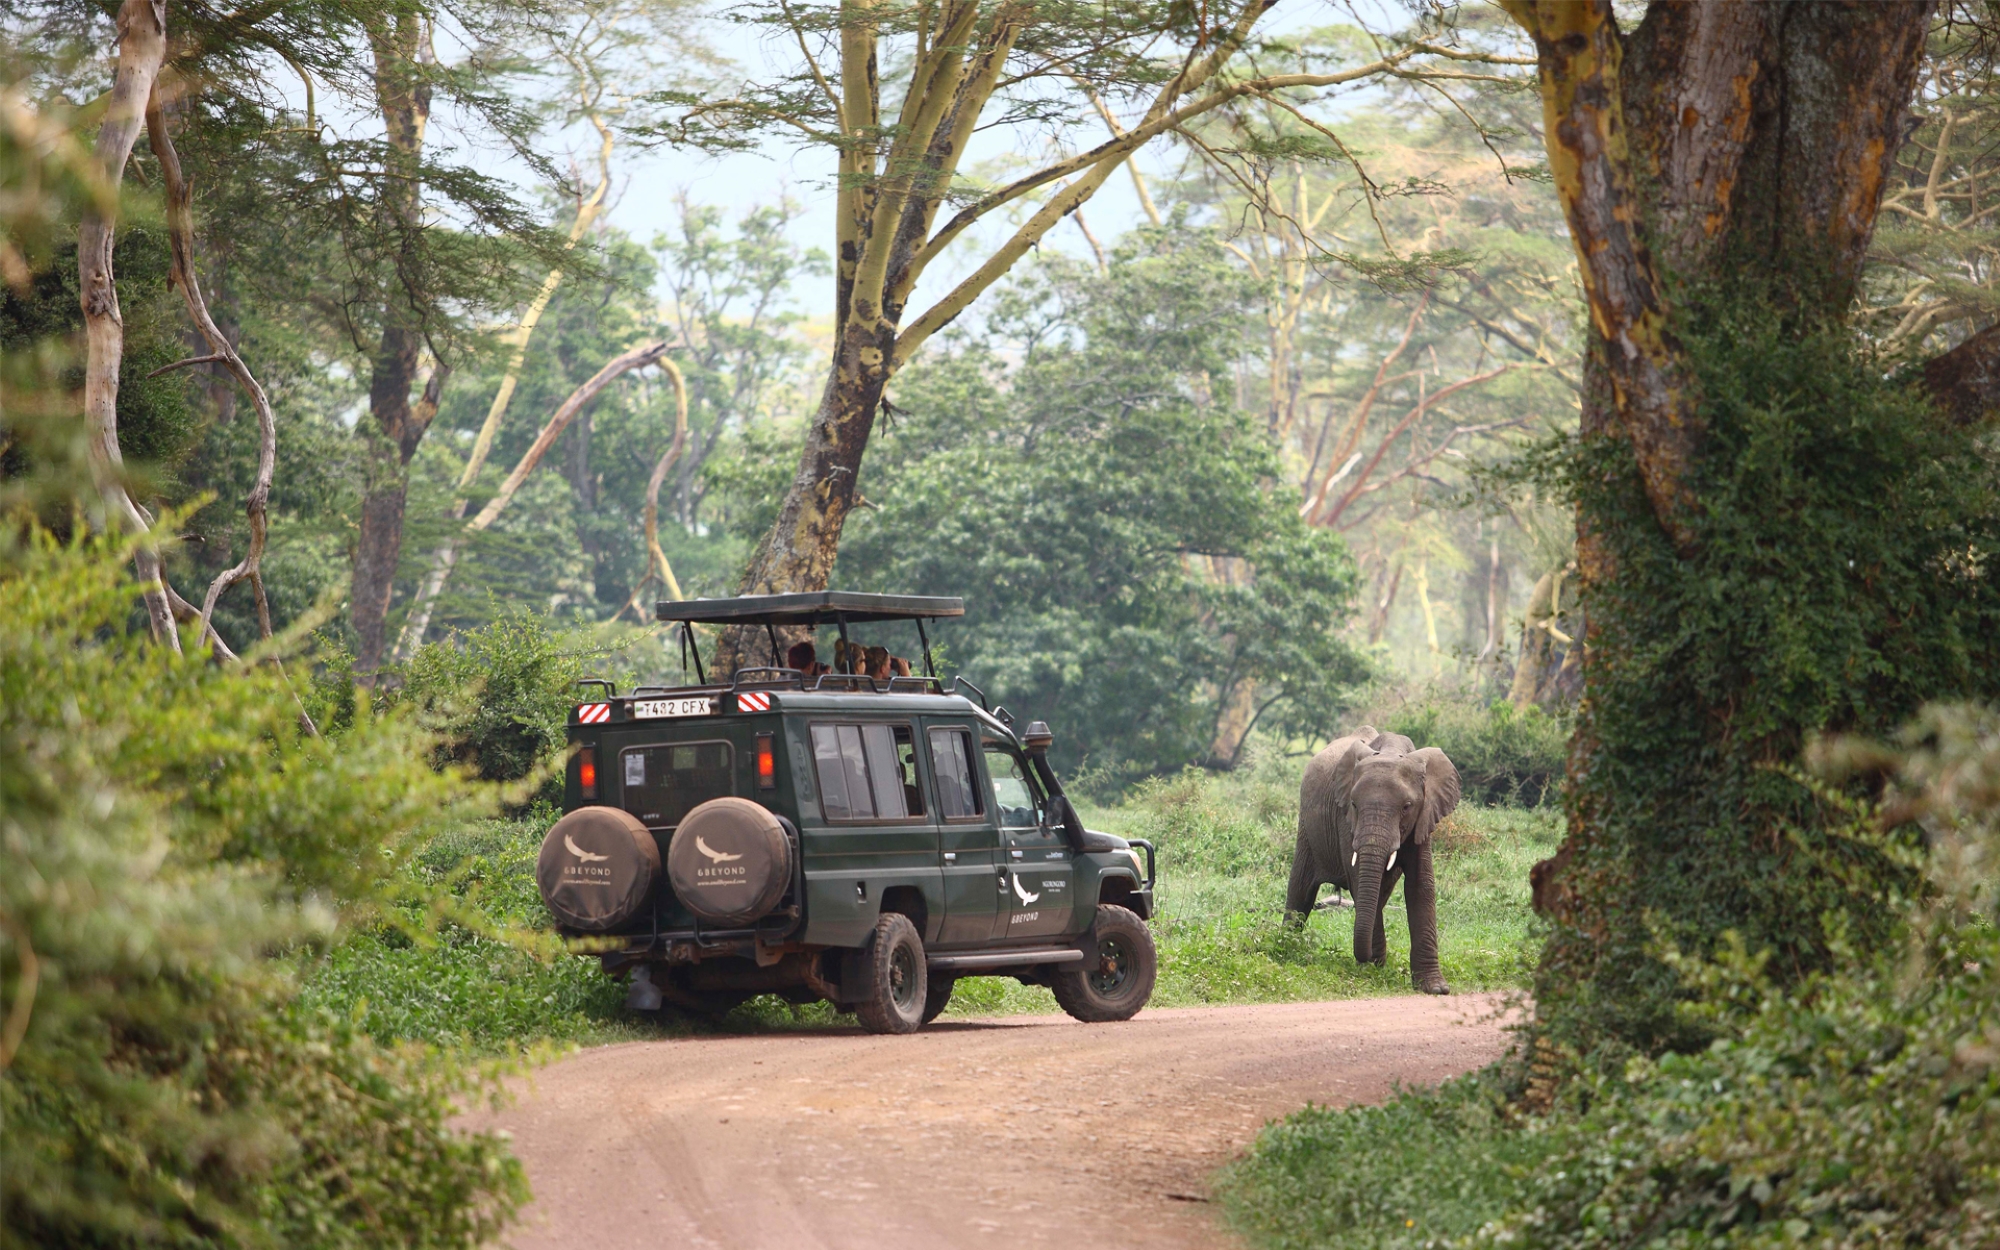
(753,701)
(593,713)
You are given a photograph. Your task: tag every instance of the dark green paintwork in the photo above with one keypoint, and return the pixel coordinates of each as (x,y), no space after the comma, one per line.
(1001,887)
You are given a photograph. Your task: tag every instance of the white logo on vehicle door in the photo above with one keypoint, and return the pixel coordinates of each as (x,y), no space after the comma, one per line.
(1022,893)
(719,857)
(580,853)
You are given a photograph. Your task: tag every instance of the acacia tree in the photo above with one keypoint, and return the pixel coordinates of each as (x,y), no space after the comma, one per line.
(900,138)
(1772,537)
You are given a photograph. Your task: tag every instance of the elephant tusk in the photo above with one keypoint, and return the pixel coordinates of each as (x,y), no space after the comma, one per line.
(1392,861)
(1354,859)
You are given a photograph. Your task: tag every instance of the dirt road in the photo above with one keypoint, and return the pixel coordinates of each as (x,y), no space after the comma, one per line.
(1021,1131)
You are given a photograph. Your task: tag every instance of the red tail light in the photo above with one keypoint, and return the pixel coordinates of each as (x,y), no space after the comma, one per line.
(586,772)
(767,764)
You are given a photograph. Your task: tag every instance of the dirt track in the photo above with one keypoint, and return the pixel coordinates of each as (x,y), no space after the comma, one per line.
(1026,1130)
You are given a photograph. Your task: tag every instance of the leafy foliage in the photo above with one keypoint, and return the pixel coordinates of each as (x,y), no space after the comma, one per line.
(1842,572)
(166,827)
(1109,516)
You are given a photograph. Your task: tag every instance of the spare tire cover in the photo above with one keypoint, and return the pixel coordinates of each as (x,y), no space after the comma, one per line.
(597,867)
(730,861)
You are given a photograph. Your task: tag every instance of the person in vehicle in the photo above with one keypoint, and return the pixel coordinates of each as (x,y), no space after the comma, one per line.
(804,658)
(881,666)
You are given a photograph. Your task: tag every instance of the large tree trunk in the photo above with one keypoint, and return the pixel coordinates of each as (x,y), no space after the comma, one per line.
(399,43)
(799,551)
(1717,147)
(142,45)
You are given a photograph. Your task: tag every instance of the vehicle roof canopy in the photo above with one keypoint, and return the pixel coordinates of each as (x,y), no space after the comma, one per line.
(821,607)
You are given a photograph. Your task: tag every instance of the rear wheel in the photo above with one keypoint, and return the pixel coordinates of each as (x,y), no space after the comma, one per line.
(937,995)
(1117,974)
(892,978)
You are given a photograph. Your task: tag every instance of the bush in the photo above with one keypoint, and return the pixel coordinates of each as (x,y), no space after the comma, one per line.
(171,842)
(1504,754)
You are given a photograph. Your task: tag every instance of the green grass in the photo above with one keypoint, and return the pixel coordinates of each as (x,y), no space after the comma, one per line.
(1224,854)
(1425,1169)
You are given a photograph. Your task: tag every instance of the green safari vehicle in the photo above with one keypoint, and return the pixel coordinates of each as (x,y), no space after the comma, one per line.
(833,836)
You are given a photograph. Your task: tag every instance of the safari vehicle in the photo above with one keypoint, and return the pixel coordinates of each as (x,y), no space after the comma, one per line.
(836,837)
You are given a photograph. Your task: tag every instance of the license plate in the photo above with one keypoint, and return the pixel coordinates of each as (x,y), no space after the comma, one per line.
(691,705)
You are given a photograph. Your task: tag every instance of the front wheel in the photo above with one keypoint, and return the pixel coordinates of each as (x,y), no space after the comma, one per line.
(1116,977)
(937,995)
(892,978)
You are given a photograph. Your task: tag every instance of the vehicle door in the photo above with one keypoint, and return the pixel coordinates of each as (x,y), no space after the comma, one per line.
(969,838)
(1041,874)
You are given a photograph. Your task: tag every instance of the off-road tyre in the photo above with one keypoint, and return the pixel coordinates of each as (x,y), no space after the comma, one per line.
(1117,974)
(893,978)
(937,995)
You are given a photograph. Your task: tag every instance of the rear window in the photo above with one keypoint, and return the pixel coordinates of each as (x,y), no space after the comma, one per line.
(867,772)
(664,783)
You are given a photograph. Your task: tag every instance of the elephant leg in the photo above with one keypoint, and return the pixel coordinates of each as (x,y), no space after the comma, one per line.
(1420,901)
(1303,891)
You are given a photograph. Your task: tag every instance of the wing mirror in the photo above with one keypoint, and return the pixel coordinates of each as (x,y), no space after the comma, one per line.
(1036,740)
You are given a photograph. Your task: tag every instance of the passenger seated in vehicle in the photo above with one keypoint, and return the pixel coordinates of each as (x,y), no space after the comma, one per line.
(804,658)
(876,663)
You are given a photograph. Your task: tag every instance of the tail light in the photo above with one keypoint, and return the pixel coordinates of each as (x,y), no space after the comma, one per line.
(767,764)
(586,771)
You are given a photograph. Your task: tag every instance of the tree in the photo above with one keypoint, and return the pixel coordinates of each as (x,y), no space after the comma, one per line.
(1112,520)
(1774,536)
(962,66)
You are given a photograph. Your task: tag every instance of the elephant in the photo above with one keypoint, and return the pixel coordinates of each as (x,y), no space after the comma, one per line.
(1367,807)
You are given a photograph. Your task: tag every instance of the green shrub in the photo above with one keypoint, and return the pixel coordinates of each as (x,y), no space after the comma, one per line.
(497,699)
(172,841)
(1504,754)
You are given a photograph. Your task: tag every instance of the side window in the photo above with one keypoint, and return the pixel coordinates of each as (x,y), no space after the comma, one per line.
(958,787)
(867,772)
(1012,791)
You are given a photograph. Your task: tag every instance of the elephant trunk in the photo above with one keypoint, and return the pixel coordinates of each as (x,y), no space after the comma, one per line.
(1365,876)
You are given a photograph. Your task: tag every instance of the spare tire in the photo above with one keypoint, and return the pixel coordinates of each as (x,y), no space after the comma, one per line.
(597,868)
(730,861)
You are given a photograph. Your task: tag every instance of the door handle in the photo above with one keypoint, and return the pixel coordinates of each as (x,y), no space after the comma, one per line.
(1016,854)
(1003,882)
(951,857)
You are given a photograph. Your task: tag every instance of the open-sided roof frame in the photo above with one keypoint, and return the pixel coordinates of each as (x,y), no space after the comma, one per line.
(822,607)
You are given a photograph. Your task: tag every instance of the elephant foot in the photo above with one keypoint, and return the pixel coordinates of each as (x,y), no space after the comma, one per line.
(1432,985)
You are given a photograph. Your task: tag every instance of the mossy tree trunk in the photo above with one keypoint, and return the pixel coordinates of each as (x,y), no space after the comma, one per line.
(1715,158)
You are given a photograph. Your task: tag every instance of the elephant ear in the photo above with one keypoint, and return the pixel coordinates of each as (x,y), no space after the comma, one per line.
(1345,764)
(1440,790)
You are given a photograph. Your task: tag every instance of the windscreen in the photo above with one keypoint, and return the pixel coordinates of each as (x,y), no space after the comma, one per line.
(664,783)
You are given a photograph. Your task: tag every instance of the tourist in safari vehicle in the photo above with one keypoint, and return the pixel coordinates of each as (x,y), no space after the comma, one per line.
(849,831)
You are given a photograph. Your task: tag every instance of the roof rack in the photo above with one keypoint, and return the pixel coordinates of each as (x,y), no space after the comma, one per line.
(820,607)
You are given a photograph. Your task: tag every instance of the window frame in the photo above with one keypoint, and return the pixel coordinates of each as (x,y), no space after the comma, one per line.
(729,750)
(922,818)
(981,790)
(1042,813)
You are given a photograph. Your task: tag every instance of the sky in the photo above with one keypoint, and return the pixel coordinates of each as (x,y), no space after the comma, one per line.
(646,183)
